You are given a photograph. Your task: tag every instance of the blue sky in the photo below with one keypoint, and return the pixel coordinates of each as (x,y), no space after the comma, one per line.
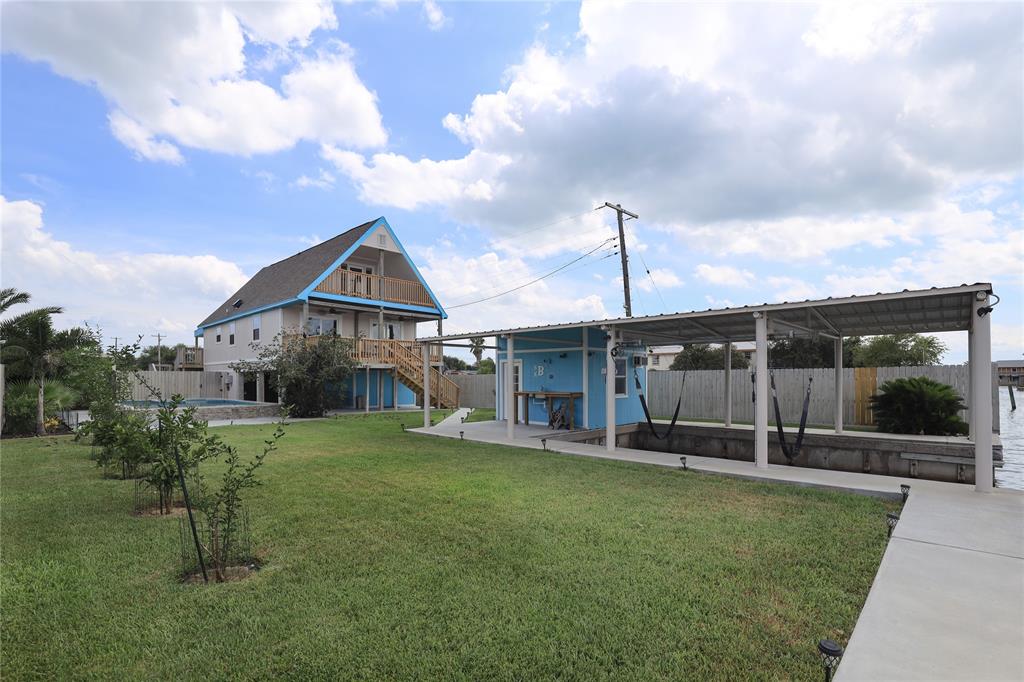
(155,155)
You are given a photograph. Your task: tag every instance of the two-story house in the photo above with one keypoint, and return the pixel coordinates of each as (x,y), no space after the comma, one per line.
(360,284)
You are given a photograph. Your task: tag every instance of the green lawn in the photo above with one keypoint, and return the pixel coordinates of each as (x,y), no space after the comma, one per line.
(481,414)
(393,555)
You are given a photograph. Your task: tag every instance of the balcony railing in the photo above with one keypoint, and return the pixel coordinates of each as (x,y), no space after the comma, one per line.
(376,287)
(378,351)
(188,357)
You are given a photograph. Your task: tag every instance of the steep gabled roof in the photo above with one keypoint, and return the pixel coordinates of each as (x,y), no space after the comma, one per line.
(286,279)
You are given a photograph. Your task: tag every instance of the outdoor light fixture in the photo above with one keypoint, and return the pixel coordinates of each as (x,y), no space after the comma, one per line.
(683,460)
(461,434)
(544,442)
(830,655)
(403,426)
(891,519)
(905,491)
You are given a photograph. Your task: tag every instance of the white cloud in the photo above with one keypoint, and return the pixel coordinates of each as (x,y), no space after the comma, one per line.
(435,16)
(662,277)
(458,280)
(176,73)
(859,30)
(730,130)
(138,139)
(125,293)
(724,275)
(323,180)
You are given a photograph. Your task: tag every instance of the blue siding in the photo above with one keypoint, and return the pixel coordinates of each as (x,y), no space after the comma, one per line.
(553,361)
(405,395)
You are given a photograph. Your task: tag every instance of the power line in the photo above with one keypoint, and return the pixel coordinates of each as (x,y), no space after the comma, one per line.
(523,286)
(537,272)
(653,283)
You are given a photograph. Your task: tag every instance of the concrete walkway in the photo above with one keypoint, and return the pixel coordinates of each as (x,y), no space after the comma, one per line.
(947,602)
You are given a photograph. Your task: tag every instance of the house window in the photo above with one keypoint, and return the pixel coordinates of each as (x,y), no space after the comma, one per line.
(217,337)
(620,376)
(231,334)
(256,327)
(655,360)
(318,326)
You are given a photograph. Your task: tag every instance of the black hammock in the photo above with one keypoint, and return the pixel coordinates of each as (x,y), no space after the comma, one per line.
(647,412)
(791,454)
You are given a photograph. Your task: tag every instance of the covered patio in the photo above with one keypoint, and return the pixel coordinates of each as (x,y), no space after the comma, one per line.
(963,308)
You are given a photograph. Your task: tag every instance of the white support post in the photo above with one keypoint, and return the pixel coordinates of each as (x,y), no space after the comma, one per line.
(838,418)
(609,393)
(970,382)
(510,399)
(586,380)
(426,385)
(260,388)
(728,383)
(497,382)
(761,391)
(981,366)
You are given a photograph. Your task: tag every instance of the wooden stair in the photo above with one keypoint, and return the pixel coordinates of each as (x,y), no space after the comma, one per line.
(407,359)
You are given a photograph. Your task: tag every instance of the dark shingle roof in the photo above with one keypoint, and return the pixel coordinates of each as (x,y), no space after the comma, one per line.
(286,278)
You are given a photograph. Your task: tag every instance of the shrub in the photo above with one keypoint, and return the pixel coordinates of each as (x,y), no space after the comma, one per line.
(20,404)
(918,405)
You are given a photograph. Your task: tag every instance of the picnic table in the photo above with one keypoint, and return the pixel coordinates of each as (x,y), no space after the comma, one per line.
(548,397)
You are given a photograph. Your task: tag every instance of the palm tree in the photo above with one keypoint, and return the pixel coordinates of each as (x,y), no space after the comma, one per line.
(476,347)
(10,296)
(31,340)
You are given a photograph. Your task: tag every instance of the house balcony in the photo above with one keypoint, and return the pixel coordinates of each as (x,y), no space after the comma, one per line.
(188,358)
(375,287)
(379,351)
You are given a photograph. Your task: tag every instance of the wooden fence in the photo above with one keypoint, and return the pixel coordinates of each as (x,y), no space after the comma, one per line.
(188,384)
(475,390)
(704,395)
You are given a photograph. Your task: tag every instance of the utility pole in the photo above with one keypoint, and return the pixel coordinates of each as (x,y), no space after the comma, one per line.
(622,254)
(159,356)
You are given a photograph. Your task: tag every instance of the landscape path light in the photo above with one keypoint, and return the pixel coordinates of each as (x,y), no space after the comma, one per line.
(830,655)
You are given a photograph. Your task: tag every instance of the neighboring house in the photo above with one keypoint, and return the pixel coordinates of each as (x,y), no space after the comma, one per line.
(1010,372)
(661,357)
(360,284)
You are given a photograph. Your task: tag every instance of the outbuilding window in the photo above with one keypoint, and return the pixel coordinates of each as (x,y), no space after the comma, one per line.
(620,376)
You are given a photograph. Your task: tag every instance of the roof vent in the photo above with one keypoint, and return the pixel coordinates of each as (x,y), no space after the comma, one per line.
(237,304)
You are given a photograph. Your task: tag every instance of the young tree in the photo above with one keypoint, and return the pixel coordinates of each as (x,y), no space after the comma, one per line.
(154,354)
(32,342)
(305,368)
(706,356)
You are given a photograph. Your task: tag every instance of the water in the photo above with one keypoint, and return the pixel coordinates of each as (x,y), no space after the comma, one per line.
(1011,433)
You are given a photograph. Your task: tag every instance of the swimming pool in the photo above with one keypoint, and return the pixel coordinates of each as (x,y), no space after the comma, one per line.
(190,402)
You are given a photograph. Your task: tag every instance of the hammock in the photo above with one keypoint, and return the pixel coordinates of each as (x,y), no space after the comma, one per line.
(647,412)
(791,454)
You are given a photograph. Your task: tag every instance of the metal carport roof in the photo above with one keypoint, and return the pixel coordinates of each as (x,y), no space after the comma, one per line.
(925,310)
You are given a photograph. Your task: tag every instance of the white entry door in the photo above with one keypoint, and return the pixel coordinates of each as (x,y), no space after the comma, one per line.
(517,373)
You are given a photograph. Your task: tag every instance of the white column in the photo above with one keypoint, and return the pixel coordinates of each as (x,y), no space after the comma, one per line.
(586,380)
(497,382)
(981,366)
(838,418)
(426,385)
(609,393)
(761,390)
(728,383)
(260,388)
(510,399)
(970,381)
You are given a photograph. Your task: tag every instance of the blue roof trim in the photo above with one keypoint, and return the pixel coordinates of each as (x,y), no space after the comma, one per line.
(279,304)
(374,303)
(380,222)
